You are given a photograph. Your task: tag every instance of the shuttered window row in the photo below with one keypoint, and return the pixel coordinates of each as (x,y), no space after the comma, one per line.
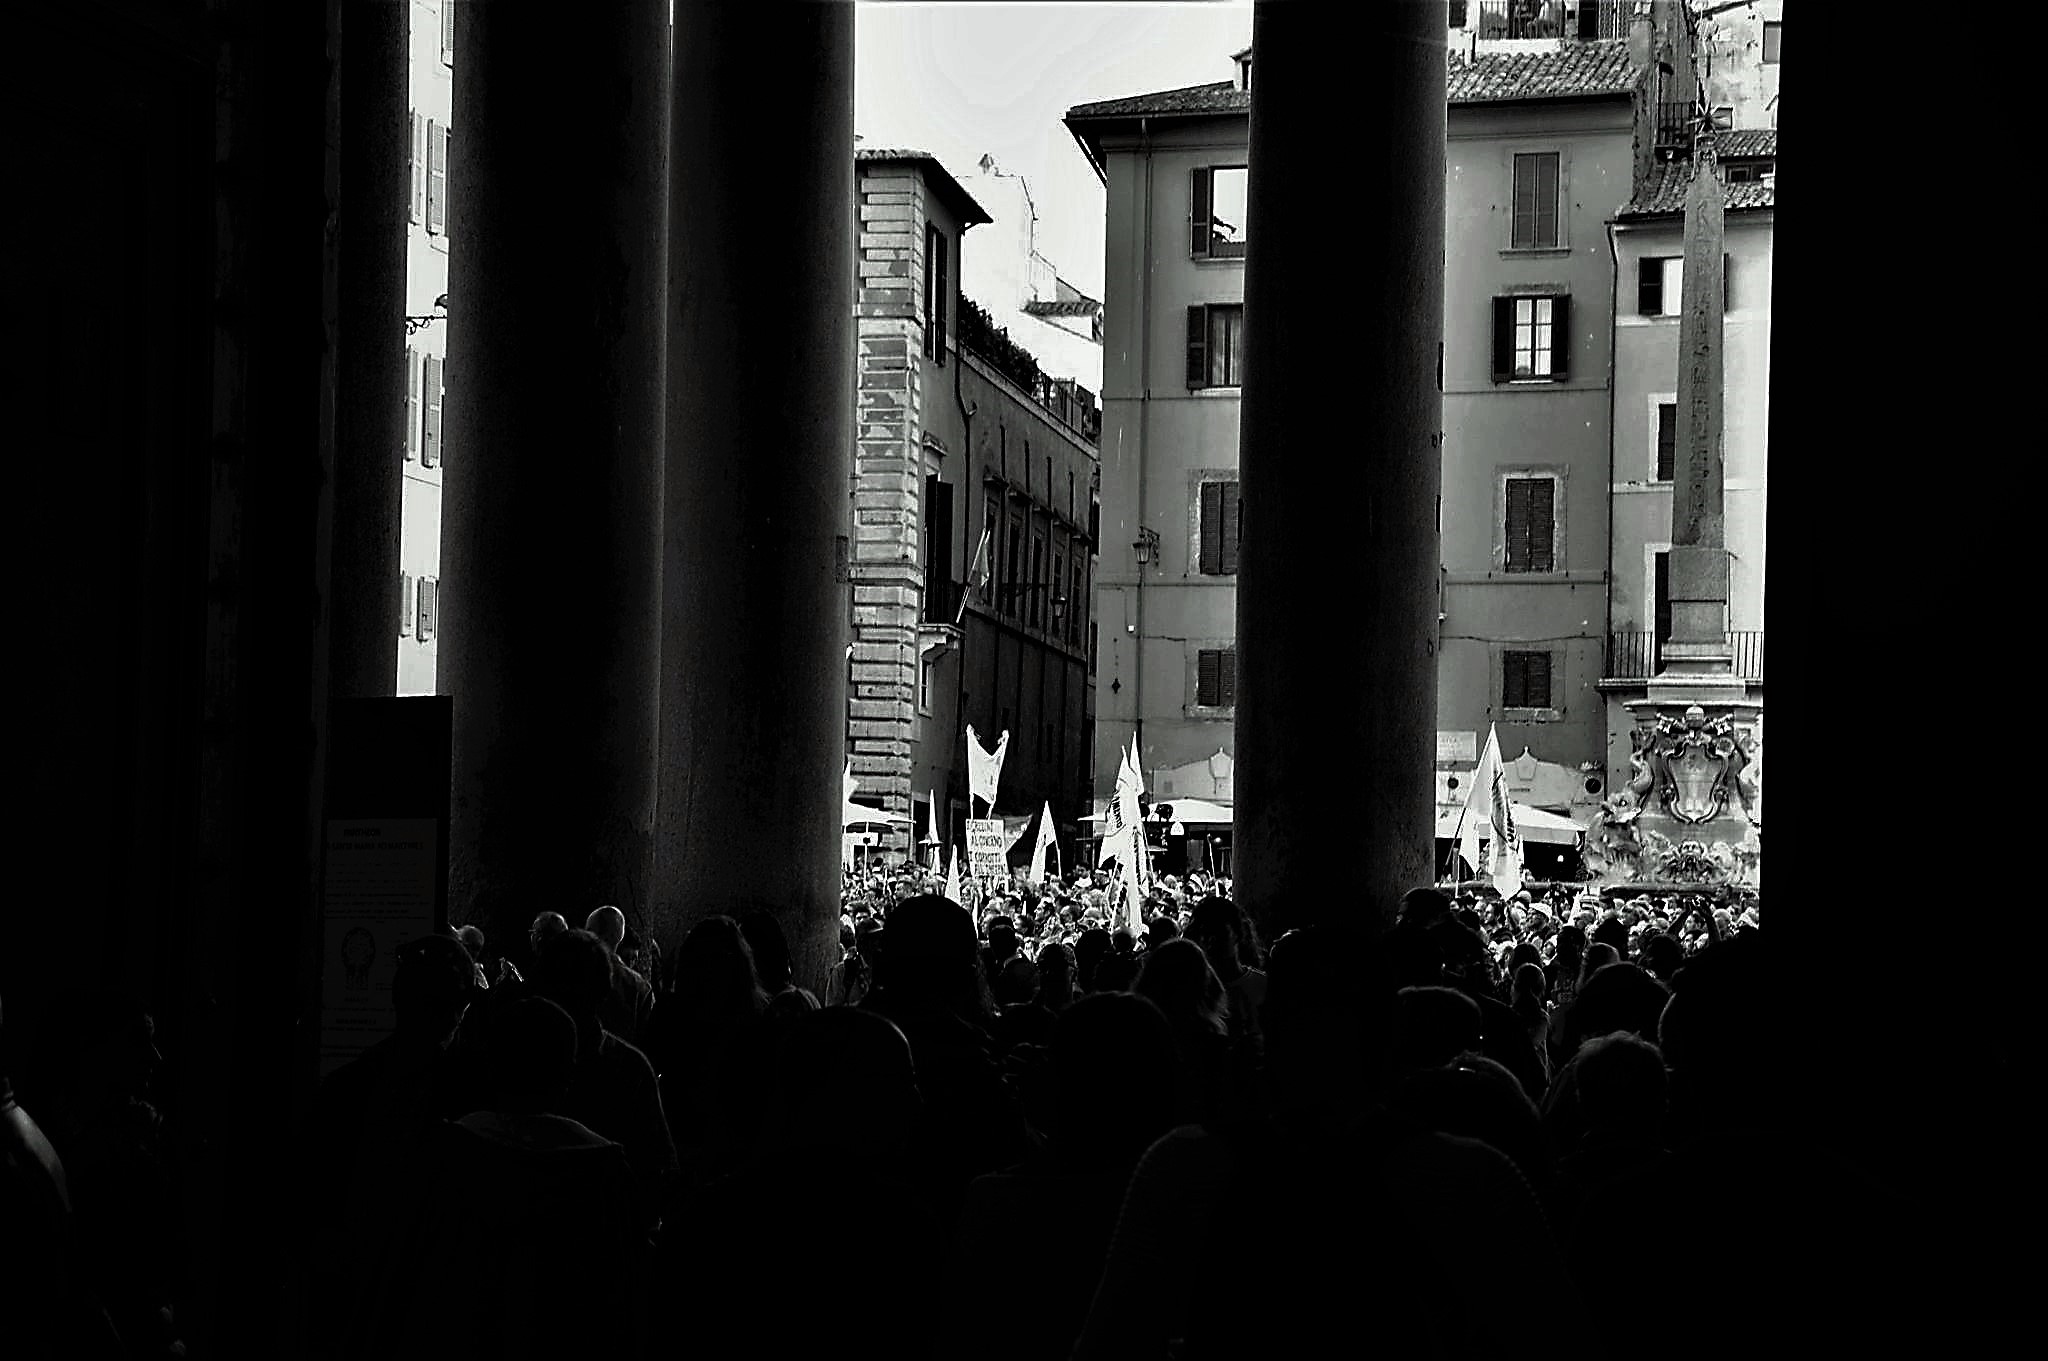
(1221,521)
(1531,529)
(1525,680)
(1532,338)
(1216,678)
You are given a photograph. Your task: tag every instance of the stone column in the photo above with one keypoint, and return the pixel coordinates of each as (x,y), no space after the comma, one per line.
(760,434)
(550,538)
(370,414)
(1336,594)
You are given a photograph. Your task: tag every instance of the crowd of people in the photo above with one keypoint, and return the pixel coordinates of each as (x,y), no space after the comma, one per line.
(1016,1130)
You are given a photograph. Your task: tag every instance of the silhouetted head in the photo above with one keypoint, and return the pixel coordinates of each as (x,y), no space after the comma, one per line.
(1413,956)
(472,938)
(1056,986)
(1423,907)
(1160,930)
(432,980)
(714,972)
(1612,932)
(574,971)
(1090,950)
(1529,983)
(530,1057)
(1597,958)
(1622,1086)
(1661,956)
(1114,1079)
(770,946)
(608,924)
(1177,978)
(934,957)
(842,1082)
(1571,944)
(1619,997)
(1225,934)
(546,925)
(1117,973)
(1002,938)
(1435,1025)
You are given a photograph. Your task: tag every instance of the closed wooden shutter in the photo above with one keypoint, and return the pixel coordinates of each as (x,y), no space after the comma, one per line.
(1503,339)
(931,235)
(1523,229)
(448,30)
(1529,531)
(1212,527)
(1226,670)
(1546,200)
(1231,518)
(1208,677)
(437,177)
(1727,269)
(1650,286)
(1667,441)
(412,405)
(426,608)
(1560,337)
(405,605)
(418,169)
(1525,680)
(430,445)
(1201,209)
(1198,346)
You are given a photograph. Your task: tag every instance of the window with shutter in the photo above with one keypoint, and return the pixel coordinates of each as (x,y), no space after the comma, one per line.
(1013,580)
(1199,212)
(404,605)
(447,32)
(417,169)
(437,178)
(1727,271)
(1772,38)
(1560,338)
(1650,286)
(1226,346)
(1535,216)
(1667,441)
(1525,680)
(1198,346)
(430,444)
(1219,528)
(1036,587)
(1529,535)
(1503,339)
(1534,340)
(412,405)
(1216,678)
(426,609)
(945,301)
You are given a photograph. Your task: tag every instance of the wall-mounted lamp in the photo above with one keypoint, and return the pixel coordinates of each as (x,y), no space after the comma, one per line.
(1147,547)
(414,325)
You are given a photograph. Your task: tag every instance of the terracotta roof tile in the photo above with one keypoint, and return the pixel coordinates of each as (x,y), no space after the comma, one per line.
(1223,96)
(1746,142)
(1664,192)
(1574,70)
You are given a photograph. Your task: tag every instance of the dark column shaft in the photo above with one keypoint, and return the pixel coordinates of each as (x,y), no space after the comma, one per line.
(1339,465)
(550,539)
(760,429)
(370,415)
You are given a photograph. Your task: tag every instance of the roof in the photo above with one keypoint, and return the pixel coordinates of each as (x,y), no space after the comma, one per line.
(1744,143)
(1221,96)
(948,188)
(1576,70)
(1664,192)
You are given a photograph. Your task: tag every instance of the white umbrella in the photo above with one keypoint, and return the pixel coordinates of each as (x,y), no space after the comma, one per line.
(1533,823)
(858,815)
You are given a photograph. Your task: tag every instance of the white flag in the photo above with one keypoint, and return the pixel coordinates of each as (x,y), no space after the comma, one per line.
(984,768)
(1044,841)
(1504,858)
(977,577)
(952,888)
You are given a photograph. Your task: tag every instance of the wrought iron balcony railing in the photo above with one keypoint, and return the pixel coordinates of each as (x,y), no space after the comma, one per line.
(1585,21)
(1639,656)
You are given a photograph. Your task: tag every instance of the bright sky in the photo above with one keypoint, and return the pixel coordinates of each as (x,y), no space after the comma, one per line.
(959,80)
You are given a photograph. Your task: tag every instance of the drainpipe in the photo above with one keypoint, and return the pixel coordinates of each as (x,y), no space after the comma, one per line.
(1613,400)
(1144,431)
(966,581)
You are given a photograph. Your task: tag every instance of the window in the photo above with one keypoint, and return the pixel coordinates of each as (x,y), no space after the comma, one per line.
(1036,587)
(1013,580)
(1077,602)
(1660,285)
(437,178)
(1217,212)
(430,442)
(1221,520)
(1530,537)
(927,680)
(1535,218)
(447,32)
(1667,441)
(1771,40)
(1058,584)
(936,297)
(1215,345)
(1216,678)
(405,605)
(1457,8)
(1525,680)
(412,405)
(429,607)
(1532,339)
(416,170)
(985,561)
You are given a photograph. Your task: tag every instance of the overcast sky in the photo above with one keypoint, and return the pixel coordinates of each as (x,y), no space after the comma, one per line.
(959,80)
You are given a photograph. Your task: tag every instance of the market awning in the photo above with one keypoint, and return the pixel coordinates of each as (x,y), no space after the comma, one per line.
(1533,823)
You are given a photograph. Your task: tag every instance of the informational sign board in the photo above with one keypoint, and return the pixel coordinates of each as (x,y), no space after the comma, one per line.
(988,846)
(385,876)
(1456,747)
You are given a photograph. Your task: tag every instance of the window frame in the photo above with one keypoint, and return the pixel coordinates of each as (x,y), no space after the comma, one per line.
(1506,477)
(448,32)
(437,179)
(1658,402)
(937,279)
(1771,52)
(1549,710)
(1201,317)
(1560,202)
(1230,529)
(433,400)
(1507,323)
(1226,687)
(1202,245)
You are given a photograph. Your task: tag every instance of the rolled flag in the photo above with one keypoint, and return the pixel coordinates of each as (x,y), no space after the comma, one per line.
(931,824)
(1044,841)
(985,768)
(952,888)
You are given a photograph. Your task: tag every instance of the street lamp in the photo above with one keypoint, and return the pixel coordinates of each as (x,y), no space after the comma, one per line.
(414,325)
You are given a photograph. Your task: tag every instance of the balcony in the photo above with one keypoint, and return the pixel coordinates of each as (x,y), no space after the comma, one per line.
(1676,120)
(1519,19)
(1637,656)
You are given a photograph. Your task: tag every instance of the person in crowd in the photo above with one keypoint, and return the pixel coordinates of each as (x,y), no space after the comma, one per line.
(1178,980)
(1160,930)
(546,926)
(1032,1022)
(702,1032)
(1090,950)
(1619,998)
(1231,945)
(1503,1035)
(1012,978)
(513,1185)
(613,1090)
(471,938)
(1661,957)
(850,979)
(630,999)
(773,964)
(1529,1009)
(1114,1092)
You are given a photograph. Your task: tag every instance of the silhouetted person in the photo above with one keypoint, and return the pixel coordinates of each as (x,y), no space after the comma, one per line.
(613,1091)
(1619,997)
(1090,949)
(1114,1092)
(1031,1022)
(546,927)
(1160,930)
(701,1031)
(1231,946)
(772,964)
(89,1084)
(529,1239)
(1177,979)
(631,999)
(1504,1038)
(848,983)
(47,1311)
(1012,978)
(1661,957)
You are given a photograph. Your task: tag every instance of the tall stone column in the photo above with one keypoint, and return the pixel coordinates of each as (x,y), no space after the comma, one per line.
(370,414)
(550,536)
(760,434)
(1339,461)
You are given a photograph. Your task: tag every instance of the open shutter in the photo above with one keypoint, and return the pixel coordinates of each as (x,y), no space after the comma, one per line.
(1560,337)
(430,444)
(1650,286)
(1547,188)
(436,176)
(1542,524)
(941,304)
(1201,209)
(412,405)
(405,605)
(1503,339)
(448,31)
(1727,268)
(1233,521)
(425,600)
(1515,533)
(418,169)
(1198,346)
(1514,680)
(1212,527)
(1226,669)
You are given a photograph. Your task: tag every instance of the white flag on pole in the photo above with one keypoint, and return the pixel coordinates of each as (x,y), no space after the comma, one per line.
(952,888)
(1504,856)
(1044,841)
(977,577)
(984,768)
